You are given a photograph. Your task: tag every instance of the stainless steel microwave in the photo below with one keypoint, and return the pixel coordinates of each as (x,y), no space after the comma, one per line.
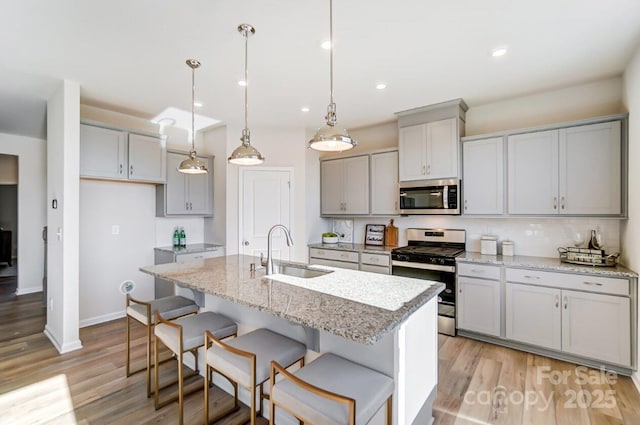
(430,197)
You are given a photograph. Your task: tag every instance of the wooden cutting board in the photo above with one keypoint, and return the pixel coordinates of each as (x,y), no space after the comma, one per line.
(391,234)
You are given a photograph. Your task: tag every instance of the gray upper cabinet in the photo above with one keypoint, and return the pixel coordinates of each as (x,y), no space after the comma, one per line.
(103,152)
(384,183)
(429,141)
(483,176)
(111,153)
(345,186)
(185,194)
(568,171)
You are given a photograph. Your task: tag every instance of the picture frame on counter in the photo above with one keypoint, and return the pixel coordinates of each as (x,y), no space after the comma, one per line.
(374,234)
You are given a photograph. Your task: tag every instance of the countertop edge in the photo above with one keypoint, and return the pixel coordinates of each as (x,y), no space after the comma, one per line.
(545,263)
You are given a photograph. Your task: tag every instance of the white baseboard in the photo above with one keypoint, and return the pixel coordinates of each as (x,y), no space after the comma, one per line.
(62,348)
(25,291)
(101,319)
(636,380)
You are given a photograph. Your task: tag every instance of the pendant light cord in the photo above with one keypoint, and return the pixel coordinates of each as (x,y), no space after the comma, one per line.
(331,50)
(193,110)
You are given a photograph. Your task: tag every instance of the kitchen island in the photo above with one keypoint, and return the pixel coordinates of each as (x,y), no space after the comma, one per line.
(387,323)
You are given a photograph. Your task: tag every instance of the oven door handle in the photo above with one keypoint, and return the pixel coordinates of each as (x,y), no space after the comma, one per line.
(423,266)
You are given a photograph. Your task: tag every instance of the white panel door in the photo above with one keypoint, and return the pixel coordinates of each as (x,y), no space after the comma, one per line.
(103,152)
(355,192)
(147,158)
(597,326)
(483,176)
(412,147)
(265,201)
(331,187)
(533,315)
(590,169)
(442,149)
(478,305)
(533,173)
(384,183)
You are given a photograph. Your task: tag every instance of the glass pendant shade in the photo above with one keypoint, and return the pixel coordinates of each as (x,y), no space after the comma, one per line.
(245,154)
(193,165)
(329,139)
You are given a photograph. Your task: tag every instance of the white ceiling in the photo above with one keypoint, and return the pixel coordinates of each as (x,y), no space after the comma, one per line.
(130,56)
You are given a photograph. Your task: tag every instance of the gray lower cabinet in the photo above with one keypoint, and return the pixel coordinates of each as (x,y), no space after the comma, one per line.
(354,260)
(164,288)
(185,194)
(479,299)
(118,154)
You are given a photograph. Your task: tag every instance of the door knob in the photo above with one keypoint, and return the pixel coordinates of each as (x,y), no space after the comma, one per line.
(246,243)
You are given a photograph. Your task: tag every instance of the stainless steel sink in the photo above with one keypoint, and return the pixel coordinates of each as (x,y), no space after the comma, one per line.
(301,271)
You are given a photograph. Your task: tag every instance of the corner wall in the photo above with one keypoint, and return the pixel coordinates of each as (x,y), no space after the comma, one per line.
(631,228)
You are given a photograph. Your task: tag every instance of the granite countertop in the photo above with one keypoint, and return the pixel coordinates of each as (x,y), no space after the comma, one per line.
(190,248)
(356,305)
(552,264)
(356,247)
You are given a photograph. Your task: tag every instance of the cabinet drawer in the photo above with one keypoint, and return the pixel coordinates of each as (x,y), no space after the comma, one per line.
(185,258)
(375,259)
(579,282)
(332,263)
(332,254)
(478,270)
(375,269)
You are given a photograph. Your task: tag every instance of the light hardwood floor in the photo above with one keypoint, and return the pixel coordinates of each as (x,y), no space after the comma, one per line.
(479,383)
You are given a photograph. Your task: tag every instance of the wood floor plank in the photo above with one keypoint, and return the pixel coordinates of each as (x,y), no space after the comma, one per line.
(99,393)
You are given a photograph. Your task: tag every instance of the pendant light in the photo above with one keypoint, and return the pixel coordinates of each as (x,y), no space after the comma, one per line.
(327,138)
(245,154)
(193,165)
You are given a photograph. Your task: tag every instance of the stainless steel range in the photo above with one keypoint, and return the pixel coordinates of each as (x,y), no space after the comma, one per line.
(431,254)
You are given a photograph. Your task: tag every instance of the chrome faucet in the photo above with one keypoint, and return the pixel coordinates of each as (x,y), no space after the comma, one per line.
(269,255)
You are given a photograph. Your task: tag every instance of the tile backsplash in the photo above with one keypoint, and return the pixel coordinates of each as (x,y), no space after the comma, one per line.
(538,237)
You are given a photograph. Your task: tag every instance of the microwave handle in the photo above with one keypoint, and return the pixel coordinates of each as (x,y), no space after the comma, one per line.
(445,197)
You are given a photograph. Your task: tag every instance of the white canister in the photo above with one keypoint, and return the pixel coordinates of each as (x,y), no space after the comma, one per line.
(507,248)
(488,245)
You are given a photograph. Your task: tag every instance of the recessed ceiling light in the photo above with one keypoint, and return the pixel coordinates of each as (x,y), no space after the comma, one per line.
(500,51)
(304,109)
(242,83)
(326,45)
(381,86)
(197,104)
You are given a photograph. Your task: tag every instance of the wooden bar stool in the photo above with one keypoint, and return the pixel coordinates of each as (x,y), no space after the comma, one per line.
(331,390)
(143,312)
(245,361)
(186,335)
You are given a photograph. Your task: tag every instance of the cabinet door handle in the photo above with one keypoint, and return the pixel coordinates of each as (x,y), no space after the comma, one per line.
(557,301)
(477,271)
(555,203)
(532,277)
(246,243)
(424,169)
(428,169)
(593,283)
(120,168)
(562,202)
(186,205)
(131,170)
(191,206)
(566,301)
(343,255)
(465,204)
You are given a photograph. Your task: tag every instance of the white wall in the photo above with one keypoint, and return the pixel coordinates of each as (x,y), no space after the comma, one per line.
(32,173)
(63,169)
(567,104)
(215,143)
(631,228)
(107,259)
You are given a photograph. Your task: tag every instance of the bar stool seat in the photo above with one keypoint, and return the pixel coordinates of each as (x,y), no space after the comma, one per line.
(183,335)
(331,390)
(245,361)
(143,312)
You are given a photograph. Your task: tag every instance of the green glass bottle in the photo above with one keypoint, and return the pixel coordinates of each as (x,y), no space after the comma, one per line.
(176,238)
(183,238)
